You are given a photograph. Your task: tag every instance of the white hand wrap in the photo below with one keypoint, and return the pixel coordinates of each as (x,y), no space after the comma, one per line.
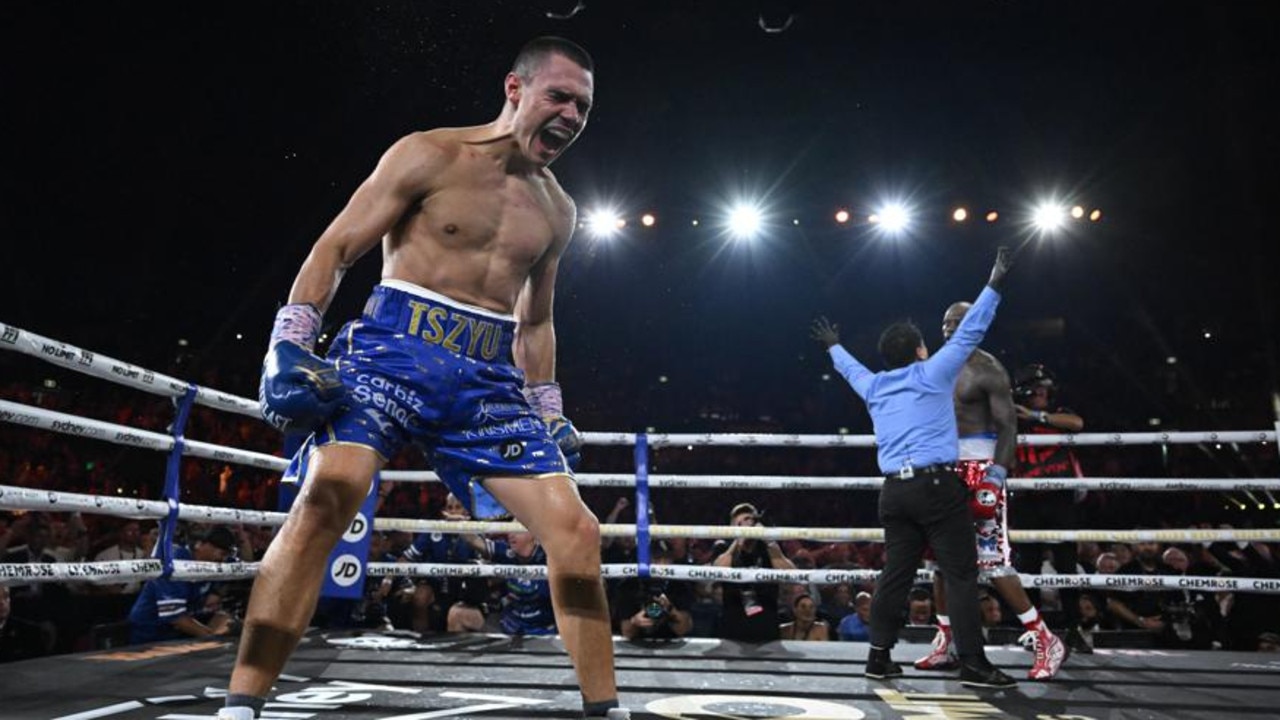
(298,323)
(545,399)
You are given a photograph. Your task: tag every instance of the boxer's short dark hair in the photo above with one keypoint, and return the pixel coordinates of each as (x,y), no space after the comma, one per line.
(536,51)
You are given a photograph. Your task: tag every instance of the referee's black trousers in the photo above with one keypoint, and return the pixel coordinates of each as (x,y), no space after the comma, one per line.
(928,510)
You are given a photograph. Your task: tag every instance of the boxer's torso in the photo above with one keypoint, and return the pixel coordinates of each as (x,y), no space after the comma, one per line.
(973,406)
(478,231)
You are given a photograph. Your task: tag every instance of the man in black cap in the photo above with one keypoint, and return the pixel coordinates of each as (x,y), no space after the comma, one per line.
(750,610)
(168,608)
(1035,391)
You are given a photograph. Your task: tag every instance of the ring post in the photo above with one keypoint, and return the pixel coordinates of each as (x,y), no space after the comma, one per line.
(642,505)
(173,470)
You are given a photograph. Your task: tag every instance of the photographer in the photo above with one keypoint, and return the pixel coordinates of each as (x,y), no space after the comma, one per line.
(750,610)
(653,608)
(1145,609)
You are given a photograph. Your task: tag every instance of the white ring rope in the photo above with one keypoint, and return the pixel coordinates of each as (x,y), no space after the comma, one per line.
(866,441)
(117,371)
(128,570)
(18,498)
(101,366)
(116,571)
(140,378)
(31,416)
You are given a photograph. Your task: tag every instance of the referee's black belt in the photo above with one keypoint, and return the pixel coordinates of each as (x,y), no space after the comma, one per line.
(907,472)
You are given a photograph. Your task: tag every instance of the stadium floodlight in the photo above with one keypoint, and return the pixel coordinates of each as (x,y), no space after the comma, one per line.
(604,223)
(745,221)
(893,218)
(1048,216)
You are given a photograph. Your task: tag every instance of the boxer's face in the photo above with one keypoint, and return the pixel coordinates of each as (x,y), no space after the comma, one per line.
(551,107)
(951,319)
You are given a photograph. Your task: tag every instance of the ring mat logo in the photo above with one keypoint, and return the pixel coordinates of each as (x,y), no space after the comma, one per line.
(743,707)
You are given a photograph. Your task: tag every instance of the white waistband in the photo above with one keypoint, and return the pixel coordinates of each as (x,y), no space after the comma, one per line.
(405,286)
(977,447)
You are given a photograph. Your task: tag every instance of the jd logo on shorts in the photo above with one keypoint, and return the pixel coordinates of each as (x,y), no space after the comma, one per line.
(512,450)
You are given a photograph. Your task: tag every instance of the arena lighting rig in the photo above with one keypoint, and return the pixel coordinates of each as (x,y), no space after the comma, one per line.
(746,220)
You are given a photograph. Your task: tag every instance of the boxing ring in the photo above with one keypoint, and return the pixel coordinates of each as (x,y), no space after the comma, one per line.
(406,676)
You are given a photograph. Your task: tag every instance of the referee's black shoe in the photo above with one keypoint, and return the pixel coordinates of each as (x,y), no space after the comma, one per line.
(880,666)
(982,676)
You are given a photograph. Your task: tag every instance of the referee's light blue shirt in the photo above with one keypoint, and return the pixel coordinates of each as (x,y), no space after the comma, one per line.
(912,407)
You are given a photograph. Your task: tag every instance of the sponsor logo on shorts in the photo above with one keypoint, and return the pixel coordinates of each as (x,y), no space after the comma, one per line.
(518,426)
(512,450)
(391,399)
(455,331)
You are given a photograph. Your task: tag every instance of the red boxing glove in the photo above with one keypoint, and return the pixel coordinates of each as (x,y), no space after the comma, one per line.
(985,500)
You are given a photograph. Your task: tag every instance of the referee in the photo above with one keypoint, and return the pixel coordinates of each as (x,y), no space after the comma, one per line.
(923,500)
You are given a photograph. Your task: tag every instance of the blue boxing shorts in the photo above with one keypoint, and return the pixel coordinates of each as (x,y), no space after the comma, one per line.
(420,367)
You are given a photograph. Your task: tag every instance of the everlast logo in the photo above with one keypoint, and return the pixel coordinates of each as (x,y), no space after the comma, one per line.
(455,331)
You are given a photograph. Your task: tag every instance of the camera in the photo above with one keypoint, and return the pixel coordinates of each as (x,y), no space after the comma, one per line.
(654,609)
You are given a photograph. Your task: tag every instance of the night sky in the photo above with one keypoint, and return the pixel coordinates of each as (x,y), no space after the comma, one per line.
(166,168)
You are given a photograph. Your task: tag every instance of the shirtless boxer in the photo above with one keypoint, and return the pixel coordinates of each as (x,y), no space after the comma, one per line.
(455,351)
(988,427)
